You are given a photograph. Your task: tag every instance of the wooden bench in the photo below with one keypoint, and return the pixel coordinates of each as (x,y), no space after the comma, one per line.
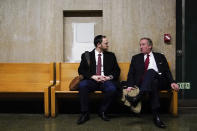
(27,78)
(65,72)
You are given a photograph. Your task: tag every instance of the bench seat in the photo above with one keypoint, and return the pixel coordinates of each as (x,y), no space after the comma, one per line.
(65,72)
(27,78)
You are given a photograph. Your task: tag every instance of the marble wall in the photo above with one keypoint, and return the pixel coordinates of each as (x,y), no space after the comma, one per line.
(32,30)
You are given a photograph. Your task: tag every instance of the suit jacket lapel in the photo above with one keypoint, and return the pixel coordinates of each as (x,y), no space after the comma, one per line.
(93,61)
(142,60)
(104,60)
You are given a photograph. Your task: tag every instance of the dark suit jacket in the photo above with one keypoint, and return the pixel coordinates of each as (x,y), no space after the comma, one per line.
(110,65)
(137,66)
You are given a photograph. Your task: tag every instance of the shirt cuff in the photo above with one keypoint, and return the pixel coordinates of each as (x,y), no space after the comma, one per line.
(111,77)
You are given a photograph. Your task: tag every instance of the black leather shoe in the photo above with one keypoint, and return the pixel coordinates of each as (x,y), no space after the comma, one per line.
(103,116)
(158,122)
(83,118)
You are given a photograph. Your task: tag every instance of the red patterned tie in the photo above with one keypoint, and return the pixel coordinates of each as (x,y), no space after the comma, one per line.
(98,70)
(146,63)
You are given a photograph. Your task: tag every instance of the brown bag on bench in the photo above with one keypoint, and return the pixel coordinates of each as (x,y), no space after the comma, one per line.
(75,82)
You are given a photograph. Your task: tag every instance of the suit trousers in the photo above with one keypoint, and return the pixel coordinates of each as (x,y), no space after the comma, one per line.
(152,84)
(86,86)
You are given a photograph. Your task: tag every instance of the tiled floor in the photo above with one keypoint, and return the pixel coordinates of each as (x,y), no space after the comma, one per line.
(28,116)
(186,121)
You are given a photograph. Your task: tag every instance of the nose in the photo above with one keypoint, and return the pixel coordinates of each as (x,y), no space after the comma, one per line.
(141,48)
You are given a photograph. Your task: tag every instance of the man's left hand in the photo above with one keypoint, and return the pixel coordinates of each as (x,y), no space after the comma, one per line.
(105,78)
(175,86)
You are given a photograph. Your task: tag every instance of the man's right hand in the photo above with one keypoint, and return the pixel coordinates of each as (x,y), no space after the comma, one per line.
(130,88)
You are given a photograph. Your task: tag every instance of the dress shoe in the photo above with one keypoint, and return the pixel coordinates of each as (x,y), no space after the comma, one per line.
(103,116)
(158,122)
(134,100)
(83,118)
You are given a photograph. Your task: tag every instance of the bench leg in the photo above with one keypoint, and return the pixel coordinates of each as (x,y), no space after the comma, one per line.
(46,101)
(53,102)
(174,103)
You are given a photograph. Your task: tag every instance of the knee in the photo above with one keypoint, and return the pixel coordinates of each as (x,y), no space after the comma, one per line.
(110,89)
(83,85)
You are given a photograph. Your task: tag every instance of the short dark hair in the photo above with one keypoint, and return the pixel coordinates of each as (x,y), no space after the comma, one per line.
(98,39)
(150,42)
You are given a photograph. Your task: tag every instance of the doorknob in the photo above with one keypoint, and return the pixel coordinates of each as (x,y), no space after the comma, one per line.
(179,52)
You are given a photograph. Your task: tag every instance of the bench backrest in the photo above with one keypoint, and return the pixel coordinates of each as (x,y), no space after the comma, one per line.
(25,77)
(65,72)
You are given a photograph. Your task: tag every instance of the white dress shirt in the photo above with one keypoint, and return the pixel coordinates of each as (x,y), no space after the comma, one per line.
(96,58)
(152,63)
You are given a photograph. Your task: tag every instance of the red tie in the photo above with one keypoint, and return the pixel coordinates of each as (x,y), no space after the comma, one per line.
(146,63)
(98,70)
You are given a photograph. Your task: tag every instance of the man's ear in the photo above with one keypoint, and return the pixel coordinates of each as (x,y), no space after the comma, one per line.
(99,44)
(151,47)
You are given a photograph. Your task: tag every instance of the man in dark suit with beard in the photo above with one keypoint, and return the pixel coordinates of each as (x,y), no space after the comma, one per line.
(150,72)
(101,74)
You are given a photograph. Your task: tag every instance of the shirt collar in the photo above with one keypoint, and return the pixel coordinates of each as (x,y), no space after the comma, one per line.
(150,54)
(96,53)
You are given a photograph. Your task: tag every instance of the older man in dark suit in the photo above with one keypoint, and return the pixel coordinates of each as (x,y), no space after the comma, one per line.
(150,72)
(101,74)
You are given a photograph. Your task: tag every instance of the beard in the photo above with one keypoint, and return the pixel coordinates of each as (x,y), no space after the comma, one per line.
(104,49)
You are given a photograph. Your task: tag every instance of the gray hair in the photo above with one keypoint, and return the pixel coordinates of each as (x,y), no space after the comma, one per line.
(150,42)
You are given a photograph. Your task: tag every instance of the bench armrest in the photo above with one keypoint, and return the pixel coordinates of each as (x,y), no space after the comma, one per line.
(53,99)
